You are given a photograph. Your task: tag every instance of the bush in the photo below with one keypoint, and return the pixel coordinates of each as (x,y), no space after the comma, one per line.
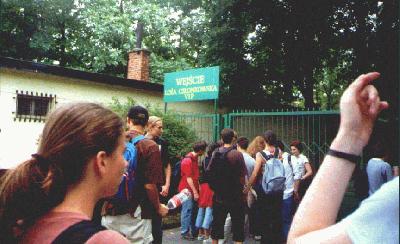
(176,132)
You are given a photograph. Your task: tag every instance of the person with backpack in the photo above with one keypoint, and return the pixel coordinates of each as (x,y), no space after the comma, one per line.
(226,176)
(154,132)
(190,180)
(268,180)
(132,218)
(376,220)
(303,170)
(50,197)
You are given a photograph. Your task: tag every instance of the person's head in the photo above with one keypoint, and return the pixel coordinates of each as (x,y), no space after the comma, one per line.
(296,147)
(270,138)
(82,144)
(243,143)
(199,147)
(212,147)
(256,145)
(155,126)
(379,150)
(280,145)
(227,135)
(137,116)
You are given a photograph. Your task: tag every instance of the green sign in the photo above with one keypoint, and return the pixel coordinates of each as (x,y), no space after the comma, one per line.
(190,85)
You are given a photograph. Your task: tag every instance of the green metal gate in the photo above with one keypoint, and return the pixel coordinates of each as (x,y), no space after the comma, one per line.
(315,128)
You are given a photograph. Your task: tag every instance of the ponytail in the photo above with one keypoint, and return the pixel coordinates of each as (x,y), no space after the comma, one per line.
(23,198)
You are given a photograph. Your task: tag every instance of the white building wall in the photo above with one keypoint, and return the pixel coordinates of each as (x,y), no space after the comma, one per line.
(18,138)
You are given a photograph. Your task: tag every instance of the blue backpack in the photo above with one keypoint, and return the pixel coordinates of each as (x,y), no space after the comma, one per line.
(273,179)
(127,185)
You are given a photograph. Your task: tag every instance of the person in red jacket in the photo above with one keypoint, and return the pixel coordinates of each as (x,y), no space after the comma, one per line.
(190,180)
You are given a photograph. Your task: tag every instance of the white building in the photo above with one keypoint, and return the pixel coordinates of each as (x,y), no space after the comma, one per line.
(28,90)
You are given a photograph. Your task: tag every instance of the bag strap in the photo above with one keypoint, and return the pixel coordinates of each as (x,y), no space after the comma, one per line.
(78,233)
(290,163)
(264,156)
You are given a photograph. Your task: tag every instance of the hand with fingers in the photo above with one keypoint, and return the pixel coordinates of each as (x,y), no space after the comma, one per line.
(360,105)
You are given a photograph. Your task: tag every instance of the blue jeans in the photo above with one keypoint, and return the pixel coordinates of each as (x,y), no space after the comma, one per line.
(188,217)
(287,215)
(204,218)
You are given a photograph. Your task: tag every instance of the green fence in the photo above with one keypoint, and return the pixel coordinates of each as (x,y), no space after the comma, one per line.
(206,126)
(315,128)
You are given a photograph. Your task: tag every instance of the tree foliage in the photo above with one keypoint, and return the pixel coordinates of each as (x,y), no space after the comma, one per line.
(272,54)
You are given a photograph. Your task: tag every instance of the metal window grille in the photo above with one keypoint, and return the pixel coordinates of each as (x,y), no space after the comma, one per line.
(33,106)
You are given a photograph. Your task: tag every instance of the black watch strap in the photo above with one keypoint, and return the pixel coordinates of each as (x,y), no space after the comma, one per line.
(350,157)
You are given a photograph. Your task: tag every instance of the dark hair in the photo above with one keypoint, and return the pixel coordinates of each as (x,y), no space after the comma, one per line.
(72,135)
(212,147)
(379,150)
(199,146)
(270,137)
(139,115)
(227,135)
(297,144)
(280,145)
(243,142)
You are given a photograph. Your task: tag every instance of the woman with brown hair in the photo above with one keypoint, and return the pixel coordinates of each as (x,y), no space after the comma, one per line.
(255,146)
(50,197)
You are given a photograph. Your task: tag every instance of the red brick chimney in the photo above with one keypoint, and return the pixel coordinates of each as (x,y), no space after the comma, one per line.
(138,64)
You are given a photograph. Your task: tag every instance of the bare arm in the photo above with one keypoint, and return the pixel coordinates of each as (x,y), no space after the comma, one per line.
(191,184)
(359,105)
(309,171)
(253,177)
(165,188)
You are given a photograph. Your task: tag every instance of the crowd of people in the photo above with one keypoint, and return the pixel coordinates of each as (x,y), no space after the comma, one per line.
(65,193)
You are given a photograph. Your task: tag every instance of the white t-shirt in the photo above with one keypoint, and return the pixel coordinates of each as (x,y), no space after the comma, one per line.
(250,162)
(289,182)
(377,218)
(299,165)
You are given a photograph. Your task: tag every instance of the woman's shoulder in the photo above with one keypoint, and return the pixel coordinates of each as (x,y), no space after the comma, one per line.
(107,236)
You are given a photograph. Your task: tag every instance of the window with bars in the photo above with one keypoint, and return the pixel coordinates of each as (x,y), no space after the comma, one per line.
(33,106)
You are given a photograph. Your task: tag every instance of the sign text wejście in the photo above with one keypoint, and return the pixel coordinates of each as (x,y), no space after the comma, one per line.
(189,85)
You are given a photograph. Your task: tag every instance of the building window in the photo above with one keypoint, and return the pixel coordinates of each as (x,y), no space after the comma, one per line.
(34,106)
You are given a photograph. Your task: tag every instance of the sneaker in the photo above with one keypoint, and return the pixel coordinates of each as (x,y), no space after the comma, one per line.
(201,238)
(257,238)
(188,237)
(208,240)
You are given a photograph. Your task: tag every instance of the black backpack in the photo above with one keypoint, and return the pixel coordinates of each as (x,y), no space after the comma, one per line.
(220,177)
(78,233)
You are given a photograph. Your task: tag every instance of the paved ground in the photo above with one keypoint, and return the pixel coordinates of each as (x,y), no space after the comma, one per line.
(173,236)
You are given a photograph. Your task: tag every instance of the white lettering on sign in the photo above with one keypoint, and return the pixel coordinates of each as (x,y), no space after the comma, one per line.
(191,80)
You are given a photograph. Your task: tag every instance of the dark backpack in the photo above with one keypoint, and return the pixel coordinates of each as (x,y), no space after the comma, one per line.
(128,182)
(219,176)
(273,179)
(78,233)
(176,177)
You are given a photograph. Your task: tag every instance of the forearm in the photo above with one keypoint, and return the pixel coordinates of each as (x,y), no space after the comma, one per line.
(326,191)
(296,186)
(308,172)
(167,171)
(152,194)
(191,184)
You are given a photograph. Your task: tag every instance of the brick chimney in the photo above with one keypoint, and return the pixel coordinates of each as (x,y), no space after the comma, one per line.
(138,64)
